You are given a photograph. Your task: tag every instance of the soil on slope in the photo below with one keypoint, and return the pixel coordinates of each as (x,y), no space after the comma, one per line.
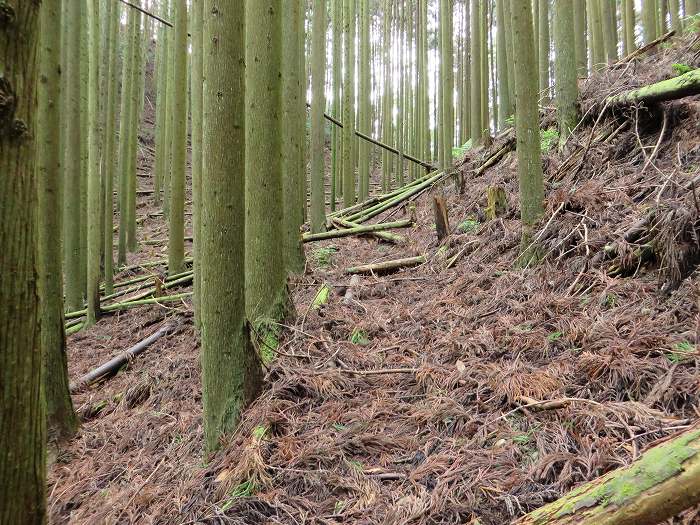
(396,402)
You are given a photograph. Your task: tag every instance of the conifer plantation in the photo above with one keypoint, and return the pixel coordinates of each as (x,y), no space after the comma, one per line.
(350,261)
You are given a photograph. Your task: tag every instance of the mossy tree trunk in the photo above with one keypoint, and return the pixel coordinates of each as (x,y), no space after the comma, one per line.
(176,217)
(109,148)
(565,68)
(124,133)
(71,184)
(231,375)
(292,141)
(544,44)
(318,70)
(476,84)
(23,413)
(662,482)
(84,148)
(61,418)
(196,87)
(94,231)
(349,103)
(266,293)
(580,37)
(447,81)
(161,106)
(527,127)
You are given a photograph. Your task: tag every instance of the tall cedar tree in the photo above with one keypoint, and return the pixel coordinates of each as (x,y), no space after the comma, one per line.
(318,70)
(23,413)
(294,170)
(580,37)
(349,103)
(266,291)
(447,81)
(565,68)
(161,105)
(176,237)
(364,93)
(231,375)
(476,87)
(527,128)
(71,183)
(196,87)
(337,71)
(61,417)
(94,237)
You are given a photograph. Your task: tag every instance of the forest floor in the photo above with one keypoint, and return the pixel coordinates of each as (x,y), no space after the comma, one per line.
(400,399)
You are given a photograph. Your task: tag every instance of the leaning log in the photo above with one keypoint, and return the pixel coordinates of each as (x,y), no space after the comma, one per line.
(114,364)
(381,235)
(387,266)
(356,230)
(684,85)
(662,482)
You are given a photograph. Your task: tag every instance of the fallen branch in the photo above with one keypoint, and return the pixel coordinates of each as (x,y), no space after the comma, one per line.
(126,305)
(356,230)
(387,266)
(384,236)
(646,47)
(114,364)
(662,482)
(671,89)
(381,371)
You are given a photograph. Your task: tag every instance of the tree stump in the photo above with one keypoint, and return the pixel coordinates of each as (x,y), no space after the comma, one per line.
(497,202)
(442,223)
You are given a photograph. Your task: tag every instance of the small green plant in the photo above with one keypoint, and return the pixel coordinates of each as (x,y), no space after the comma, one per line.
(554,336)
(681,69)
(470,225)
(266,337)
(339,426)
(692,24)
(522,439)
(242,490)
(523,327)
(510,120)
(547,138)
(260,431)
(681,352)
(321,297)
(355,465)
(610,300)
(359,337)
(339,506)
(323,256)
(461,150)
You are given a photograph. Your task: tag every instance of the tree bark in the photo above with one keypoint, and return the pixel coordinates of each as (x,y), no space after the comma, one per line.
(23,412)
(476,88)
(685,85)
(565,68)
(661,483)
(318,69)
(231,375)
(349,103)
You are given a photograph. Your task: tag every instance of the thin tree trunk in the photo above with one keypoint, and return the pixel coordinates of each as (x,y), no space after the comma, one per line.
(161,103)
(176,235)
(61,418)
(527,128)
(628,22)
(565,68)
(337,136)
(23,413)
(196,88)
(364,99)
(231,375)
(318,64)
(504,88)
(266,292)
(544,44)
(71,159)
(609,30)
(580,44)
(596,29)
(476,84)
(447,82)
(649,22)
(349,103)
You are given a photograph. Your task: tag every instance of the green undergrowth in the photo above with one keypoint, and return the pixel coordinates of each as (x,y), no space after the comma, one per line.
(460,151)
(681,352)
(548,137)
(324,256)
(469,225)
(321,297)
(681,69)
(266,336)
(359,337)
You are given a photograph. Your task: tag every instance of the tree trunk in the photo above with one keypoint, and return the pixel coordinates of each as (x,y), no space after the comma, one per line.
(23,413)
(266,295)
(71,159)
(596,30)
(176,234)
(231,375)
(109,147)
(527,127)
(628,24)
(661,483)
(61,418)
(544,44)
(505,109)
(565,68)
(580,37)
(685,85)
(318,67)
(364,99)
(649,25)
(349,103)
(447,82)
(609,30)
(476,128)
(337,136)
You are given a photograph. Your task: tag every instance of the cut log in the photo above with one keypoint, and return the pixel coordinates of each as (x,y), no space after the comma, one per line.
(114,364)
(662,482)
(357,230)
(384,236)
(674,88)
(442,222)
(387,266)
(497,202)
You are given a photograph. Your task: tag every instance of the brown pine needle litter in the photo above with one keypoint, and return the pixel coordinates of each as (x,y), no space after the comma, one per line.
(436,394)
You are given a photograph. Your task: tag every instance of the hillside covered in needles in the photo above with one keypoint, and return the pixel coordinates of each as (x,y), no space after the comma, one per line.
(350,262)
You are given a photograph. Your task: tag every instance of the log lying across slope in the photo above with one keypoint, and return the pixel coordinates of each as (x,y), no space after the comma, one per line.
(684,85)
(664,481)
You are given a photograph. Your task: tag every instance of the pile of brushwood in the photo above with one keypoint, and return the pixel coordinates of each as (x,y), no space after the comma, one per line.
(464,389)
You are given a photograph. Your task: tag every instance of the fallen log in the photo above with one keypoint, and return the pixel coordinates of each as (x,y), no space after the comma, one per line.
(387,266)
(132,303)
(662,482)
(356,230)
(646,47)
(384,236)
(114,364)
(684,85)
